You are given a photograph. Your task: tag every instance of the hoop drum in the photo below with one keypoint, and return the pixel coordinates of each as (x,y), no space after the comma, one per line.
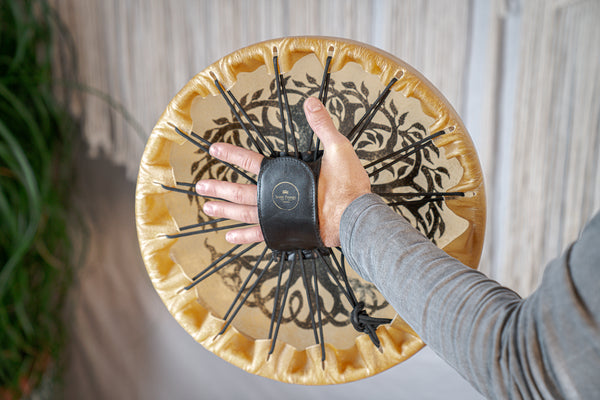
(301,316)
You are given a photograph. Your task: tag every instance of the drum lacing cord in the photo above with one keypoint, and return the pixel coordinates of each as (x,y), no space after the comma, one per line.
(360,319)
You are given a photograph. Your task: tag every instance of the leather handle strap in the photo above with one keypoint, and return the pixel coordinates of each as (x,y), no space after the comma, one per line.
(287,203)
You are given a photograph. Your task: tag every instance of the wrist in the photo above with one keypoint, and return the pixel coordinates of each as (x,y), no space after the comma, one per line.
(330,215)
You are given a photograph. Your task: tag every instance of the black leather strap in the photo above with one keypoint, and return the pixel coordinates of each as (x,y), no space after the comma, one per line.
(287,203)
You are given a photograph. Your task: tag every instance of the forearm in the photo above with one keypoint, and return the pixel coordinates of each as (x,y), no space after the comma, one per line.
(545,346)
(459,312)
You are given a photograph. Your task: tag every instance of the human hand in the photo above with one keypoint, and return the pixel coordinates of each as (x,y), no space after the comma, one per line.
(341,180)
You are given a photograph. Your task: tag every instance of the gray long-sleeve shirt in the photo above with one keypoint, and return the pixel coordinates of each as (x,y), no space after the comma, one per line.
(544,346)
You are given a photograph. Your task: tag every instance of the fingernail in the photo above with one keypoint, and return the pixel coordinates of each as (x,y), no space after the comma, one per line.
(214,151)
(208,209)
(200,187)
(230,236)
(313,104)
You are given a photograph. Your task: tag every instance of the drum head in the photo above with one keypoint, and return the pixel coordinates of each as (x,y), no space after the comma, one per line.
(414,146)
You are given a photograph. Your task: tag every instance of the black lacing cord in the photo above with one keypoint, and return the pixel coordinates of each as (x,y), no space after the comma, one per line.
(360,319)
(362,322)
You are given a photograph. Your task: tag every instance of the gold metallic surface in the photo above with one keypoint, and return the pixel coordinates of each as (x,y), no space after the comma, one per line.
(287,363)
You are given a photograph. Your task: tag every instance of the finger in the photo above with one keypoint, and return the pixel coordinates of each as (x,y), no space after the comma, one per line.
(235,192)
(319,120)
(244,158)
(246,235)
(238,212)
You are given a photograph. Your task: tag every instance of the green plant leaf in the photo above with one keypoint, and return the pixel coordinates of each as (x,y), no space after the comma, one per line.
(29,182)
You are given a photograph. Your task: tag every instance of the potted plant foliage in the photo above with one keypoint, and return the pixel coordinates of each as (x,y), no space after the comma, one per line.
(37,137)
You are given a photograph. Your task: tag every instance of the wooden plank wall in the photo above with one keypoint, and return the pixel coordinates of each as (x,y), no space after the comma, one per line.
(524,75)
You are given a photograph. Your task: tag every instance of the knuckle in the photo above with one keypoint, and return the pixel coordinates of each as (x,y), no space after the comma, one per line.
(246,164)
(250,161)
(320,121)
(248,215)
(238,195)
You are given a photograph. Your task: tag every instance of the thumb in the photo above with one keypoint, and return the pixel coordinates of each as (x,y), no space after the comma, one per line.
(319,120)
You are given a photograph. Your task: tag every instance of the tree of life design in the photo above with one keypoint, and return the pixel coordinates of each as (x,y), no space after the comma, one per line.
(420,173)
(347,100)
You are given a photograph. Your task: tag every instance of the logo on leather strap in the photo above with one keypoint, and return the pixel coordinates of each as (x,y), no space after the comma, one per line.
(285,196)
